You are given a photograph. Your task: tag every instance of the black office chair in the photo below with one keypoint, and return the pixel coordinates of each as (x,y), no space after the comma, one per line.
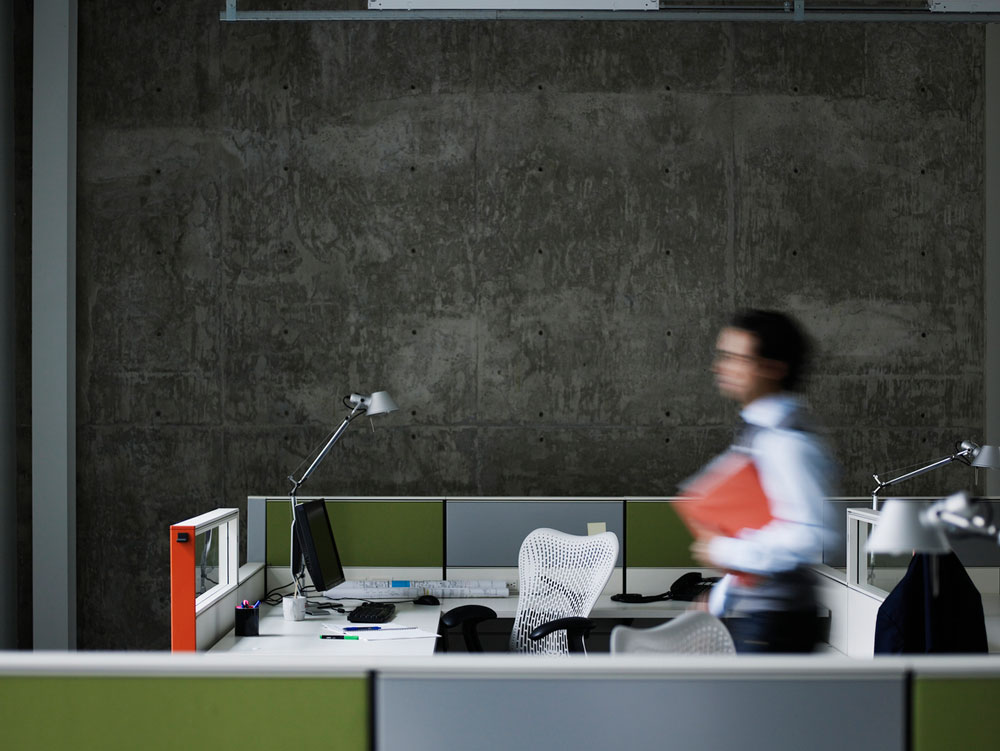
(561,577)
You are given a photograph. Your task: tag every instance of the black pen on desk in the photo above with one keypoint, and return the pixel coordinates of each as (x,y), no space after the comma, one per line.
(337,636)
(379,628)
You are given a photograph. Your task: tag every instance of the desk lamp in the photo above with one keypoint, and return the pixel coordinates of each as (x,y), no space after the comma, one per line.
(378,403)
(966,452)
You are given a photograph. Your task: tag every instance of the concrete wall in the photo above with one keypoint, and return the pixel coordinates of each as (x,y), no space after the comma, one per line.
(529,233)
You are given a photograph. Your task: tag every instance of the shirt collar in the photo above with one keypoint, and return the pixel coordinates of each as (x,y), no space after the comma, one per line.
(769,411)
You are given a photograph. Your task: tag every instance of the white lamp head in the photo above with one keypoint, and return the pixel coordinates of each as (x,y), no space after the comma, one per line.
(987,456)
(376,404)
(903,527)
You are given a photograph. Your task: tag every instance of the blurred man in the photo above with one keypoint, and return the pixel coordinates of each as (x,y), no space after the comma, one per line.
(769,592)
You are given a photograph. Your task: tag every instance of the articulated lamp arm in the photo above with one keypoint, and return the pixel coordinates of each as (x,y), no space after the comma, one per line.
(376,404)
(966,451)
(296,484)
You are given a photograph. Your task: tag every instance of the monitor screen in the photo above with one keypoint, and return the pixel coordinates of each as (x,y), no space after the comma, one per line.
(314,535)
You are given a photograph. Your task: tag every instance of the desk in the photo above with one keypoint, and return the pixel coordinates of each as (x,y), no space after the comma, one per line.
(278,636)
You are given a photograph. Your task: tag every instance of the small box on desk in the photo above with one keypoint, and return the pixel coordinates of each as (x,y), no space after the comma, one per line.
(248,621)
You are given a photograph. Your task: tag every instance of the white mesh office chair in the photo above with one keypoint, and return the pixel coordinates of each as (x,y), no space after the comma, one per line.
(561,577)
(694,632)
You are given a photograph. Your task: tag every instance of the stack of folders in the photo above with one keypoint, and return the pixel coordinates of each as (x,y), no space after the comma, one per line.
(386,589)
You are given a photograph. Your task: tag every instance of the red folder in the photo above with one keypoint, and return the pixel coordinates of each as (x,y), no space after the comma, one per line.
(725,498)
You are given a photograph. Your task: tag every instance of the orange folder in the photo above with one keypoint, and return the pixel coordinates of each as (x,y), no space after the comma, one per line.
(725,498)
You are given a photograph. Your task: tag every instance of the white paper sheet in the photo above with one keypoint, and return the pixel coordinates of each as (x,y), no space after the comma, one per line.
(395,633)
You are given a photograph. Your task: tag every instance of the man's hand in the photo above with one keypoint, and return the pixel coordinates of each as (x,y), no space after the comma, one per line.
(699,551)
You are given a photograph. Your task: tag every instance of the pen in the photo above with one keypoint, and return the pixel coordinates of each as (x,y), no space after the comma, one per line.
(337,636)
(379,628)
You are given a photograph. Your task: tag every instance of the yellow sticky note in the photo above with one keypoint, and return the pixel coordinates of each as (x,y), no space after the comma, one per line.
(595,528)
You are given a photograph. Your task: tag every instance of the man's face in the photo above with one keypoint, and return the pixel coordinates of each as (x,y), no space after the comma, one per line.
(740,374)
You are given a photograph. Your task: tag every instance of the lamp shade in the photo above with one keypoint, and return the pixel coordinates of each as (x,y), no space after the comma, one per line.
(380,402)
(901,528)
(987,456)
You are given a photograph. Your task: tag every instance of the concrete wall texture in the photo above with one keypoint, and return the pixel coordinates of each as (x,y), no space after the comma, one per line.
(529,233)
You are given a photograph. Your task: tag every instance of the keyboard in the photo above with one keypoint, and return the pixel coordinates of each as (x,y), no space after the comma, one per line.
(372,612)
(406,589)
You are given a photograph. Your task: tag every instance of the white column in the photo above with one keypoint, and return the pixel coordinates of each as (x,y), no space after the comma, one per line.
(53,326)
(8,432)
(991,271)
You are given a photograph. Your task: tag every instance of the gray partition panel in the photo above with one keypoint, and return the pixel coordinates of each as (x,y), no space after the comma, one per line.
(694,714)
(489,533)
(256,529)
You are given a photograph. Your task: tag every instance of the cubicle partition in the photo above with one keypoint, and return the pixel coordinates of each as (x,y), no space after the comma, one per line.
(953,702)
(701,704)
(373,534)
(447,534)
(206,582)
(476,538)
(163,701)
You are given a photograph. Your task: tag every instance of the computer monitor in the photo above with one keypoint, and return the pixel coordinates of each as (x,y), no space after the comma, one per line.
(314,539)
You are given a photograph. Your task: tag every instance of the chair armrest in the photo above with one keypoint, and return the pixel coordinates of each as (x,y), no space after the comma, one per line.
(577,629)
(468,617)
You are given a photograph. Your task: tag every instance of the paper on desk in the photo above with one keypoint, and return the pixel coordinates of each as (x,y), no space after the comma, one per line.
(360,629)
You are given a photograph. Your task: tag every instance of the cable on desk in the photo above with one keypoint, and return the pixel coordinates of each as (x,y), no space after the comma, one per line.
(274,596)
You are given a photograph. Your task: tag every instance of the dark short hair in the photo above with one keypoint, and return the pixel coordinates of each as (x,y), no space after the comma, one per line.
(779,337)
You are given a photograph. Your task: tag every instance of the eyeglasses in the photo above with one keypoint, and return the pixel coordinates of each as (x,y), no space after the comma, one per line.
(724,354)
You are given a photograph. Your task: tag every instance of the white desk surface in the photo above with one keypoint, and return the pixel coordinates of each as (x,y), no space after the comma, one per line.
(278,636)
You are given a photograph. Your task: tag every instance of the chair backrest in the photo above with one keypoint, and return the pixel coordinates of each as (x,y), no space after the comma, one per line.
(694,632)
(560,575)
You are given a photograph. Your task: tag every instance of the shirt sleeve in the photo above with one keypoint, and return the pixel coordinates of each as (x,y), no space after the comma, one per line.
(797,476)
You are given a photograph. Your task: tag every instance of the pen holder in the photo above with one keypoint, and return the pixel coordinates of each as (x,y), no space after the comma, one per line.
(248,621)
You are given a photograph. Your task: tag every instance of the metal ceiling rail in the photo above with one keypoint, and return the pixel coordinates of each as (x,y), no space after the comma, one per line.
(792,12)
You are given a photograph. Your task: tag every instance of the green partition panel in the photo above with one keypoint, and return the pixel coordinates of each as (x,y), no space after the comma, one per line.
(955,713)
(656,536)
(154,713)
(369,533)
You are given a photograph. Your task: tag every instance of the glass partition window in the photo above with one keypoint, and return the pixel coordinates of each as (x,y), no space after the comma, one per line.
(206,570)
(216,564)
(877,573)
(834,519)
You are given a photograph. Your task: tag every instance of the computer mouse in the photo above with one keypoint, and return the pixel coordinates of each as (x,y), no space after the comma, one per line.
(427,600)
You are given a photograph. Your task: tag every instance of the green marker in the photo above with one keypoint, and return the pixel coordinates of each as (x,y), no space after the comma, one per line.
(337,636)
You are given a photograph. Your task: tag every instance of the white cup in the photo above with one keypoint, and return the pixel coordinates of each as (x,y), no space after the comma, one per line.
(294,608)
